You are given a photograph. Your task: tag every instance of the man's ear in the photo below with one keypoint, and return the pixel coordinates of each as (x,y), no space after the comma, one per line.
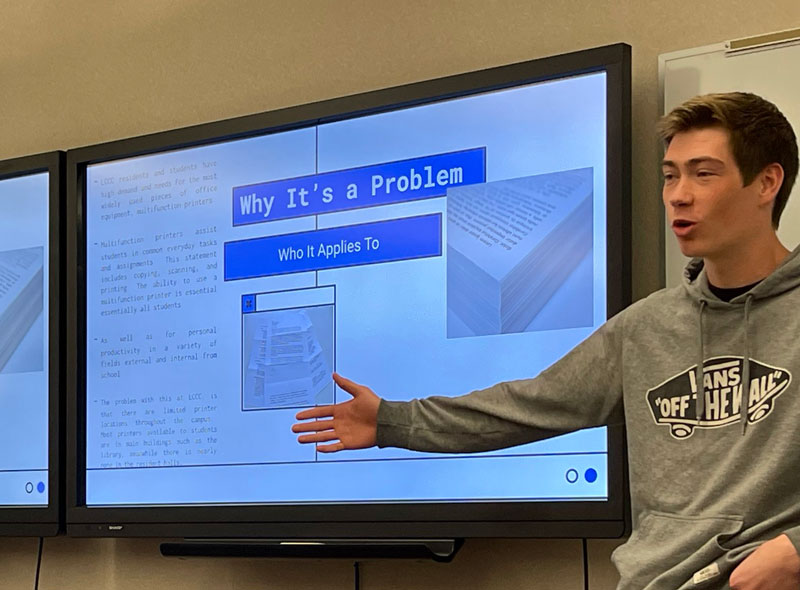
(770,180)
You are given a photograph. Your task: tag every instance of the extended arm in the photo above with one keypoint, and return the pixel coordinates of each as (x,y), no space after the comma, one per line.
(581,390)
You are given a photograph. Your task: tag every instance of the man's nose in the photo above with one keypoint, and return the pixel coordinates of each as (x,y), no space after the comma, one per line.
(680,194)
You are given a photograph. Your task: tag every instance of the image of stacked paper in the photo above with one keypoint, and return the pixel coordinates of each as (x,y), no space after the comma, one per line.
(511,245)
(287,365)
(21,303)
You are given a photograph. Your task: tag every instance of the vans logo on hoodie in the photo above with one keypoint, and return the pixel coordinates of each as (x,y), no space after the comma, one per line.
(673,403)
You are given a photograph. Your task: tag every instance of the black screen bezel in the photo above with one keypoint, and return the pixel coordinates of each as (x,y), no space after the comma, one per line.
(46,520)
(400,520)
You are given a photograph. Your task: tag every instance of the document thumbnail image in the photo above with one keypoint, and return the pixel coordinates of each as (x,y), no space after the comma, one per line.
(515,245)
(21,304)
(288,358)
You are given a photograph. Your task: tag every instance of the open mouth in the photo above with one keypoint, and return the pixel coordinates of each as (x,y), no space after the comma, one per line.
(682,227)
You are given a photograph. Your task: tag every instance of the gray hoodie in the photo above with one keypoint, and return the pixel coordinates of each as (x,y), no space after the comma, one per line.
(706,487)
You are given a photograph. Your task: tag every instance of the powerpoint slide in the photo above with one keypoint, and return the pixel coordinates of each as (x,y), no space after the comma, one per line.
(432,250)
(24,378)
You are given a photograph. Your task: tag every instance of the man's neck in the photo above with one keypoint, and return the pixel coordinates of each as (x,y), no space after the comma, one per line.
(745,266)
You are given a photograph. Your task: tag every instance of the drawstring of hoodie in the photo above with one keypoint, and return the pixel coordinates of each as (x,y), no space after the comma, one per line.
(744,406)
(700,406)
(699,373)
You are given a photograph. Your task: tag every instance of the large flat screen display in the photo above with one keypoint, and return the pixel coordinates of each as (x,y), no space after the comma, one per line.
(28,349)
(430,248)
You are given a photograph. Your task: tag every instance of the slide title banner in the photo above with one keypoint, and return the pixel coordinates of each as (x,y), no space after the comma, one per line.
(354,188)
(353,245)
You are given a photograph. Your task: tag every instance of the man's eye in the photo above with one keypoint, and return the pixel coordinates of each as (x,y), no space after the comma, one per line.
(705,173)
(668,176)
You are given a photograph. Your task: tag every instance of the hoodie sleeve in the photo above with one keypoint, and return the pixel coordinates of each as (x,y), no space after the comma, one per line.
(581,390)
(794,536)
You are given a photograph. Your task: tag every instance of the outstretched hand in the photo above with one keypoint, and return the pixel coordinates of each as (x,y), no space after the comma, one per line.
(352,424)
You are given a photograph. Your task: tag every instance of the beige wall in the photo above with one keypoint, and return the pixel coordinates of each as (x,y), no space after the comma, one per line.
(78,73)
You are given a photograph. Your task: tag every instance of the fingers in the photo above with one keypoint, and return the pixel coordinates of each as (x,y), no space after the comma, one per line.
(318,412)
(318,437)
(314,426)
(332,448)
(350,387)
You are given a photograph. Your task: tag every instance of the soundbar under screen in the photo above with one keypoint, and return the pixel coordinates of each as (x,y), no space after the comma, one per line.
(435,249)
(24,397)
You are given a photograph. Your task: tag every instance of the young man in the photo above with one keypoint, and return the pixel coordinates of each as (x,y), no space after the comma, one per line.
(713,477)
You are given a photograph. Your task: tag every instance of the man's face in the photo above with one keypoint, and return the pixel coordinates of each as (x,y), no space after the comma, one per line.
(709,210)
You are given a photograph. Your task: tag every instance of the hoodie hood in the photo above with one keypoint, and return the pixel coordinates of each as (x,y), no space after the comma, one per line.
(784,278)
